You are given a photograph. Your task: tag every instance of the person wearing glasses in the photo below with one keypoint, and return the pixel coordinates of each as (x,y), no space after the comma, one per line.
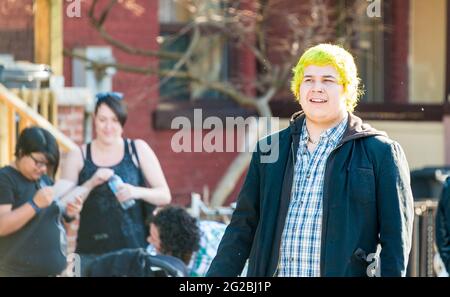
(32,239)
(108,221)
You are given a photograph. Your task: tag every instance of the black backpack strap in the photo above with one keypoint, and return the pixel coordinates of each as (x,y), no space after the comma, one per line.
(88,151)
(135,158)
(148,207)
(134,153)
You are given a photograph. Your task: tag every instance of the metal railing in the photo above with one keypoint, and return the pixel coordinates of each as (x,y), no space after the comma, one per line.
(423,250)
(200,210)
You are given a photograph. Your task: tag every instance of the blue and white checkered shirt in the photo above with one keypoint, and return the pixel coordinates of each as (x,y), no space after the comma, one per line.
(300,242)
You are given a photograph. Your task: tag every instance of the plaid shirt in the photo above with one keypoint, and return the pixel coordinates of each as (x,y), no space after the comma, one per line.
(211,234)
(300,245)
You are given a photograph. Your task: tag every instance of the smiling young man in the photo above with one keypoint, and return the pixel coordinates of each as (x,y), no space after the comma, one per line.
(339,189)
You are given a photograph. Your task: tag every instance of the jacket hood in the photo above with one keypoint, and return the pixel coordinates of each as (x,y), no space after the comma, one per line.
(355,127)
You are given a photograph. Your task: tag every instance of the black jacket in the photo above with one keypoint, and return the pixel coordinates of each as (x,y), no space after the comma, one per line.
(367,200)
(443,225)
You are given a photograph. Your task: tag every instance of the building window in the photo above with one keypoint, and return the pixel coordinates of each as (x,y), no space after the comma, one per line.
(209,58)
(401,55)
(370,58)
(427,51)
(364,36)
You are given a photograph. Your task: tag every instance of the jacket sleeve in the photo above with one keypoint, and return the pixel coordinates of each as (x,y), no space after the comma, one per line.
(395,211)
(237,241)
(442,223)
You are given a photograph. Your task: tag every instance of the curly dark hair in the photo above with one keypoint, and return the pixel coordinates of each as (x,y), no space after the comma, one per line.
(179,233)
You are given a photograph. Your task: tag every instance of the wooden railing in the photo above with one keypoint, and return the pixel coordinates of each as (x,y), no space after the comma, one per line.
(42,101)
(17,114)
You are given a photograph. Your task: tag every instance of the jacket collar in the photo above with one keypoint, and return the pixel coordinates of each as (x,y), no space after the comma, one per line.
(355,127)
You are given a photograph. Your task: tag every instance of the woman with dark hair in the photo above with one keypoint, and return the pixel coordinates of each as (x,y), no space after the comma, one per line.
(32,239)
(123,181)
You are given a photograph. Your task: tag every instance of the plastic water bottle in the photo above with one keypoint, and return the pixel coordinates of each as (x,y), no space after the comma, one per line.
(114,183)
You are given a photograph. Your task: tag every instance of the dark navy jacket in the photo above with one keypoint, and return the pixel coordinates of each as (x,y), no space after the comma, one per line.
(443,225)
(367,200)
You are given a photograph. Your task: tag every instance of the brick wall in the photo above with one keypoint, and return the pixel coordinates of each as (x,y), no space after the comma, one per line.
(188,172)
(71,122)
(185,172)
(16,29)
(137,30)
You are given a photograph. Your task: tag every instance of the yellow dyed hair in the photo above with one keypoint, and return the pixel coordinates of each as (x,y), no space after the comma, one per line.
(330,55)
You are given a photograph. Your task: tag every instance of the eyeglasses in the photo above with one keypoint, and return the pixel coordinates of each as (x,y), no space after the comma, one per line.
(38,163)
(104,95)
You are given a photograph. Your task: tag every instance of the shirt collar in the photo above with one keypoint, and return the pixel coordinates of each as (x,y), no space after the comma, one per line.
(333,134)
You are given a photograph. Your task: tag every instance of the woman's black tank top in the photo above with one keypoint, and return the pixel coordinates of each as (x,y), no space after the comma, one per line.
(104,225)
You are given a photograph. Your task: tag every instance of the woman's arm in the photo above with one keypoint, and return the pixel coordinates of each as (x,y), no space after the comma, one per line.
(159,193)
(13,220)
(71,166)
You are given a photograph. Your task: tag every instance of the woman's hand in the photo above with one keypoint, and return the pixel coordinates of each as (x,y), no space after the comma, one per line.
(44,197)
(73,208)
(126,192)
(101,176)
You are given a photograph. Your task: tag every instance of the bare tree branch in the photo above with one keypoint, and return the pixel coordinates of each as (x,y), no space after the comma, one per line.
(252,30)
(98,25)
(105,13)
(92,9)
(185,58)
(222,87)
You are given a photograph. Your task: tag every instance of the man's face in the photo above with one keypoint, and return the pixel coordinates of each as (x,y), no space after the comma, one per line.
(33,166)
(153,238)
(322,97)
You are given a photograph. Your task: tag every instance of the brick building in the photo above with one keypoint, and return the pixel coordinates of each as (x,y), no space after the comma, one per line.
(403,68)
